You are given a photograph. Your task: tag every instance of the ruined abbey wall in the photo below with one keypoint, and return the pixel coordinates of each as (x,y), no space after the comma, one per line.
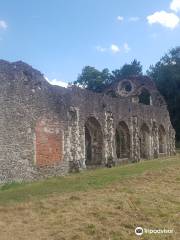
(49,130)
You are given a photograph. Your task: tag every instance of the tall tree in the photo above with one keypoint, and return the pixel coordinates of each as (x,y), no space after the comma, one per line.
(134,68)
(93,79)
(166,74)
(97,81)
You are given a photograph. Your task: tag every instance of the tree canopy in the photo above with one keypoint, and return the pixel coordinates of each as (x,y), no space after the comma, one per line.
(134,68)
(166,74)
(97,81)
(93,79)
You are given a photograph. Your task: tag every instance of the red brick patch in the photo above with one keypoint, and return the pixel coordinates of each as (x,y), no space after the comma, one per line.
(49,143)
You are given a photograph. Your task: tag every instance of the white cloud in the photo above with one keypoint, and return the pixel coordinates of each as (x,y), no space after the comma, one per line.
(120,18)
(126,47)
(169,20)
(114,48)
(101,49)
(134,19)
(57,82)
(175,5)
(3,24)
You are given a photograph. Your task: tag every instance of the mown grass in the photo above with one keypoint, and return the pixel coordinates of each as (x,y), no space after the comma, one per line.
(102,204)
(84,181)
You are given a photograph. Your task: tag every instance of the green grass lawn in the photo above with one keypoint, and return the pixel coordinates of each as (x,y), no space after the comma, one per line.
(95,204)
(84,181)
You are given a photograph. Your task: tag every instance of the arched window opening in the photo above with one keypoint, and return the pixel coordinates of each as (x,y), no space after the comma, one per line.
(93,142)
(145,97)
(122,141)
(126,86)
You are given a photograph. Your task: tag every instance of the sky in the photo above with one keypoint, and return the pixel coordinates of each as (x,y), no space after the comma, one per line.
(60,37)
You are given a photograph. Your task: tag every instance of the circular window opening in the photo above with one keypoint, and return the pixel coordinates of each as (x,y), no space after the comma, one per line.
(127,87)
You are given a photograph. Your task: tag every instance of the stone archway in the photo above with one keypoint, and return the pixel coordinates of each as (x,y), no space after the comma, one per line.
(144,142)
(93,142)
(122,141)
(162,139)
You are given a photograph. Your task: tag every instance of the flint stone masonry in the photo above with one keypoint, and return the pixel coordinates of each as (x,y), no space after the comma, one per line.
(49,130)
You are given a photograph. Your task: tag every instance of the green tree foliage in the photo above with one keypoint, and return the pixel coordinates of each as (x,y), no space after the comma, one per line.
(93,79)
(166,74)
(134,68)
(97,81)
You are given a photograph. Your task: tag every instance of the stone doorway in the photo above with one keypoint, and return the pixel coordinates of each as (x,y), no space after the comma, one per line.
(93,142)
(122,141)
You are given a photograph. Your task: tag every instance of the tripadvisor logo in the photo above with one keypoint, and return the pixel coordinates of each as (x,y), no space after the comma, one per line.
(139,231)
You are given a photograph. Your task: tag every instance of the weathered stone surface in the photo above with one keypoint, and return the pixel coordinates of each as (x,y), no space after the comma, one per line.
(49,130)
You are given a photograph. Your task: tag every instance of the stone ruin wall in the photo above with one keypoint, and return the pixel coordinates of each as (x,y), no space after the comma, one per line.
(48,130)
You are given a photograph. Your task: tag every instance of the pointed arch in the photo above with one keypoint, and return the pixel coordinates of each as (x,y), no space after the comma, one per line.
(122,140)
(93,142)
